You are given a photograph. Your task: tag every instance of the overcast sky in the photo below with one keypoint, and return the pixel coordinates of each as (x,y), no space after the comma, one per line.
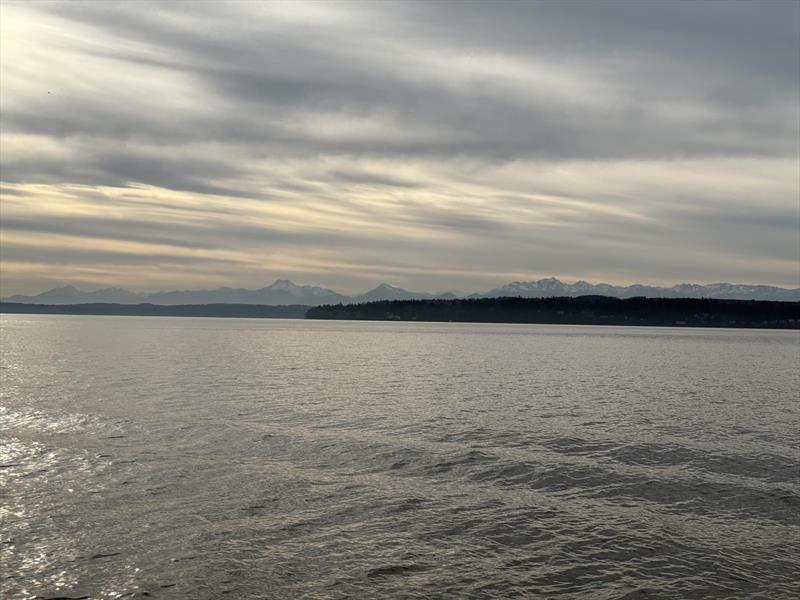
(431,145)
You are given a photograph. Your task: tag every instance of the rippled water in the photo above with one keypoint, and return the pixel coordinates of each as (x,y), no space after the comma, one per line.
(213,458)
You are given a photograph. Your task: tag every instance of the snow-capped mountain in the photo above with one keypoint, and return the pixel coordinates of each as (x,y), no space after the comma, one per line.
(284,292)
(555,287)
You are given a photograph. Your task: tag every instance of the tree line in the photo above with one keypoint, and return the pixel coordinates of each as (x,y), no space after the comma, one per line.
(583,310)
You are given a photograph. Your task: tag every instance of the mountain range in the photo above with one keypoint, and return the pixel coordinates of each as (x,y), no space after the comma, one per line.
(284,292)
(723,291)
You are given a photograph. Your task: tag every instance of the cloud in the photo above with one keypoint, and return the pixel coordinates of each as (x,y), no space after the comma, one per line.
(572,139)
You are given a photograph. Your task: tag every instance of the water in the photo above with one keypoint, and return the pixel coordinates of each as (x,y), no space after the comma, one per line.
(213,458)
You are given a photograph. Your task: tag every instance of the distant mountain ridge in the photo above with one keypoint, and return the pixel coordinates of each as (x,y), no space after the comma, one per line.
(723,291)
(284,292)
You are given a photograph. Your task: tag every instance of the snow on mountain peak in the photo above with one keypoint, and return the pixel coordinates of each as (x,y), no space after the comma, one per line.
(282,284)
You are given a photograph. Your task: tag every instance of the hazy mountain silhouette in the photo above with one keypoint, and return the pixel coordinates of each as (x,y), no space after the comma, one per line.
(389,292)
(72,295)
(284,292)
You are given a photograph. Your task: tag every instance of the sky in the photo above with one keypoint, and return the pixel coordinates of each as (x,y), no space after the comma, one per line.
(432,145)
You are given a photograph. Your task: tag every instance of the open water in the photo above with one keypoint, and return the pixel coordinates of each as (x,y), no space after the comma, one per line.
(223,458)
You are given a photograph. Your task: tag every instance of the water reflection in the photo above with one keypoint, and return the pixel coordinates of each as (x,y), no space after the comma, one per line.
(201,458)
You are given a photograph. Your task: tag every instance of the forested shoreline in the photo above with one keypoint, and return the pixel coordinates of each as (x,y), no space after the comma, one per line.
(583,310)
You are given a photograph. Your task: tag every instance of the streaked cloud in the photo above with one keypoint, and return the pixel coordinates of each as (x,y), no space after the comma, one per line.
(161,145)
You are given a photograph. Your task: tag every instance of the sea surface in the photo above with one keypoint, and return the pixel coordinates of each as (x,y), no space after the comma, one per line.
(202,458)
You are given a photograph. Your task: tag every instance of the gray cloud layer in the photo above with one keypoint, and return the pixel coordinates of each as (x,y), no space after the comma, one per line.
(421,118)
